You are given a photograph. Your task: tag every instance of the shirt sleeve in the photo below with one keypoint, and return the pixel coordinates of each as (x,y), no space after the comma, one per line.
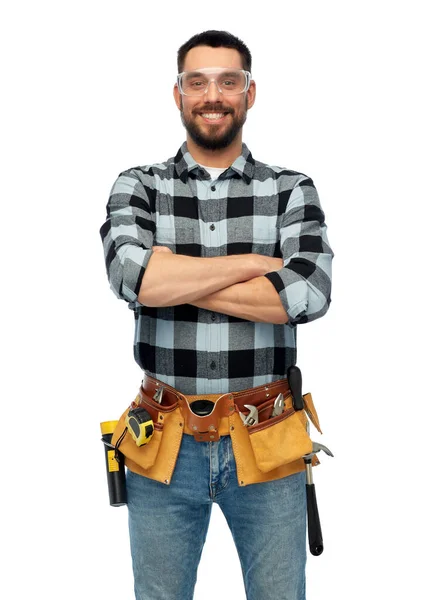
(304,282)
(127,234)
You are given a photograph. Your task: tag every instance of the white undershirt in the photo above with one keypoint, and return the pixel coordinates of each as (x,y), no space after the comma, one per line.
(214,172)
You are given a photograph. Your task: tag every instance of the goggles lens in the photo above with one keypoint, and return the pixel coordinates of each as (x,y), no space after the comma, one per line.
(228,81)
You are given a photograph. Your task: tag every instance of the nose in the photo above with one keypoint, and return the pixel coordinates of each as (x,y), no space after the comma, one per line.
(212,92)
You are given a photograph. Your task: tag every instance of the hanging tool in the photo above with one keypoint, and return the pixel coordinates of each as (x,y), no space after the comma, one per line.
(115,464)
(314,529)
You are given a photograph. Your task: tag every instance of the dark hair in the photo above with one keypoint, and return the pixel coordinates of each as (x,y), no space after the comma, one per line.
(216,39)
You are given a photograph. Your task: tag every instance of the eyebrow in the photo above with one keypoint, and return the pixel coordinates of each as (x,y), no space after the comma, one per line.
(194,73)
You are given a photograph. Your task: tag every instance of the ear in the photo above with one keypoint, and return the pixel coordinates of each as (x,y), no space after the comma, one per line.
(177,96)
(251,93)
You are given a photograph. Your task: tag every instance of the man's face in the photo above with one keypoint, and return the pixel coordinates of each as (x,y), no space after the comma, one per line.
(218,134)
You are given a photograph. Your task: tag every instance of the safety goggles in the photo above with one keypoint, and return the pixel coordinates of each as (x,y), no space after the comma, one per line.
(228,81)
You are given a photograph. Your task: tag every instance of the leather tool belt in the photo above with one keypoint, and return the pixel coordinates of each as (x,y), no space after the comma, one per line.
(270,449)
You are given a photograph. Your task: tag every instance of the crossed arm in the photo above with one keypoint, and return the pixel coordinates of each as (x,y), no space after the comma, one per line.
(233,285)
(293,289)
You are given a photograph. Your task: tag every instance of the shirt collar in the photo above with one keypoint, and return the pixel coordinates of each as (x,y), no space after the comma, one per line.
(244,165)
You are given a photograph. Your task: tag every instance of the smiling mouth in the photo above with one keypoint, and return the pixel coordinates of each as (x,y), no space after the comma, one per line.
(213,117)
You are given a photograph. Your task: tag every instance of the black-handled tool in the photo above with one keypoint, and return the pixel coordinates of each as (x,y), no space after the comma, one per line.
(315,539)
(115,463)
(295,385)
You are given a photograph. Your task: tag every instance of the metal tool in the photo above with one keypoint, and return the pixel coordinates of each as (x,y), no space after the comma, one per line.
(252,417)
(158,395)
(315,538)
(317,448)
(278,406)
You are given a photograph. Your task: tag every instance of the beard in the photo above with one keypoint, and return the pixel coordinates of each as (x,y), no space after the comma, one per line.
(213,140)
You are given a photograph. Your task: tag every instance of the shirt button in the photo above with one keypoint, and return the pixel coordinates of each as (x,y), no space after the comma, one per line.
(213,364)
(212,227)
(213,188)
(213,317)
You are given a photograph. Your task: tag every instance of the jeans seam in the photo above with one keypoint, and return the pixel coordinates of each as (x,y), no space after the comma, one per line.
(210,472)
(226,472)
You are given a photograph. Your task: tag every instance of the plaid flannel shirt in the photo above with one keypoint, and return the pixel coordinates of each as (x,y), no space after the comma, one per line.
(251,208)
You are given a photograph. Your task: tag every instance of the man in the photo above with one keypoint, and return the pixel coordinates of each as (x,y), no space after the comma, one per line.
(220,257)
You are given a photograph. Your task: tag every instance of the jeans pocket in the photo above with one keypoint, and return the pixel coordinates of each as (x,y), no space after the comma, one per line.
(279,440)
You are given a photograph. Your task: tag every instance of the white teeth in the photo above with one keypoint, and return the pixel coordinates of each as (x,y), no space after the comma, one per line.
(213,115)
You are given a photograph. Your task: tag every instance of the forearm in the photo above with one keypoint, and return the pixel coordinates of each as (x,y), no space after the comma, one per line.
(172,279)
(254,300)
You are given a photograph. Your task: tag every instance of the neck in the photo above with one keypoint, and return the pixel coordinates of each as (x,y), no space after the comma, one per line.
(215,158)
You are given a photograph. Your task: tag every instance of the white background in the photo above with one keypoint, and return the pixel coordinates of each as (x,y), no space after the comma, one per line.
(340,96)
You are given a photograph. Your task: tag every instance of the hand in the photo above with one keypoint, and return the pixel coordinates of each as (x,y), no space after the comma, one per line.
(161,249)
(270,263)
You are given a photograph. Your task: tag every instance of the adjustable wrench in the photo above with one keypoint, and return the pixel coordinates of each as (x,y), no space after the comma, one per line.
(252,417)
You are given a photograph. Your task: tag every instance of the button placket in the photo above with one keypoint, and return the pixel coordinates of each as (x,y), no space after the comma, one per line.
(213,218)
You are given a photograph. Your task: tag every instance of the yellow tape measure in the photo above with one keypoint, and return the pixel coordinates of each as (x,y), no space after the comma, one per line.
(140,425)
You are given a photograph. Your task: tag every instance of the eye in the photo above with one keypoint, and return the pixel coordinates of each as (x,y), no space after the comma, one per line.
(231,83)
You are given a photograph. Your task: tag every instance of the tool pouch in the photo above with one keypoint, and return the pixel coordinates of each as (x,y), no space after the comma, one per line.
(273,448)
(156,459)
(279,440)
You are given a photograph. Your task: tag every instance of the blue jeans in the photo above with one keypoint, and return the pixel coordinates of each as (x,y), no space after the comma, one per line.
(168,526)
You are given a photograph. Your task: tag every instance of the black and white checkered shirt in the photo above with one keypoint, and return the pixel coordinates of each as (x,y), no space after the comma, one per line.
(251,208)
